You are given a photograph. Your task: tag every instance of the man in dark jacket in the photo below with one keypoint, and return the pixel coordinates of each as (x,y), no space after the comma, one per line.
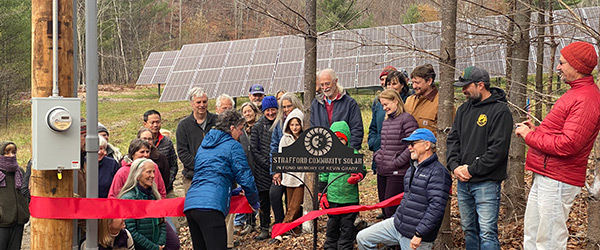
(260,146)
(333,105)
(559,149)
(416,222)
(477,155)
(153,121)
(191,131)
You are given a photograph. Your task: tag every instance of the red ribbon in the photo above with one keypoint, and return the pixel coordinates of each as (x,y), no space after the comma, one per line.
(279,229)
(102,208)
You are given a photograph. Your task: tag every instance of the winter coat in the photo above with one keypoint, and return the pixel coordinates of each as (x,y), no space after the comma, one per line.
(275,138)
(122,174)
(14,207)
(288,139)
(189,137)
(220,161)
(426,191)
(424,109)
(339,190)
(345,109)
(260,146)
(480,138)
(245,141)
(163,165)
(147,233)
(393,157)
(165,147)
(107,168)
(560,146)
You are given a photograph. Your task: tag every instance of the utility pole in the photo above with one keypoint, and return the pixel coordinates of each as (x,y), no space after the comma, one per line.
(49,233)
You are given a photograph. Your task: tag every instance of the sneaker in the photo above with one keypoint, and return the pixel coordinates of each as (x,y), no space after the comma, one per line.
(264,234)
(380,216)
(246,229)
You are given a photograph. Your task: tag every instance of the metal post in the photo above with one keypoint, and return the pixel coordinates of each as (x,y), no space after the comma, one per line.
(91,146)
(315,207)
(55,48)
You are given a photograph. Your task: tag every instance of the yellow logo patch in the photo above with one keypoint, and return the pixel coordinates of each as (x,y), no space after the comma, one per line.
(482,120)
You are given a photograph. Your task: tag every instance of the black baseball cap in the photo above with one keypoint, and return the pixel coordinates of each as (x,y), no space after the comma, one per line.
(472,74)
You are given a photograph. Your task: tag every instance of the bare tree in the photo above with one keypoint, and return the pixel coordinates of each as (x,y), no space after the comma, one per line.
(446,103)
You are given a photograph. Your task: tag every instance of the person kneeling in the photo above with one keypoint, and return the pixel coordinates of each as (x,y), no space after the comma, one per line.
(416,222)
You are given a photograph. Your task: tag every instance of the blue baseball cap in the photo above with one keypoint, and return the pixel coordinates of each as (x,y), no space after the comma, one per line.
(421,134)
(257,89)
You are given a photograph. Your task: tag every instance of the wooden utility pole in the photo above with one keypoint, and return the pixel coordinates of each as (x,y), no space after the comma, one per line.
(46,233)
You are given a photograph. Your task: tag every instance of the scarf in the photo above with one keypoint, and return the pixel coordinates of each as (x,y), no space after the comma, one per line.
(9,164)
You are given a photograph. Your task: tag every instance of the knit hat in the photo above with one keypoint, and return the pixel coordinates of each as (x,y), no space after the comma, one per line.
(386,71)
(102,128)
(581,56)
(269,102)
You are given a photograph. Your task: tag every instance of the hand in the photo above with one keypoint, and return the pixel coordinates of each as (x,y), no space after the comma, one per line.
(462,173)
(324,202)
(524,128)
(161,247)
(242,192)
(355,178)
(277,179)
(415,242)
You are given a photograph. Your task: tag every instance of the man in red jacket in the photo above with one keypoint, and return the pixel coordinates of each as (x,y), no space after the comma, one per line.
(559,149)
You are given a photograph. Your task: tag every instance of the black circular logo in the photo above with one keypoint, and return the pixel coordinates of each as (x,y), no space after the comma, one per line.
(318,141)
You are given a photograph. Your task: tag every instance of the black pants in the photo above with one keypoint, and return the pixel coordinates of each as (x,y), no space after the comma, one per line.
(340,229)
(10,237)
(388,187)
(207,229)
(276,193)
(265,209)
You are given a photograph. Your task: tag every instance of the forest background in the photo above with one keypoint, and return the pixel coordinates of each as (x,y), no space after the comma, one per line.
(129,30)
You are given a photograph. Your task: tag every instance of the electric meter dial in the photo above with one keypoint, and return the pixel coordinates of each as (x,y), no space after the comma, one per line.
(59,119)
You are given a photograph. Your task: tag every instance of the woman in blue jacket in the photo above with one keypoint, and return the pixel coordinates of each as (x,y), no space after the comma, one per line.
(220,161)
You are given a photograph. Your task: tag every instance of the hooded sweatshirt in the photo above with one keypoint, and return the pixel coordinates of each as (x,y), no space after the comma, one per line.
(339,190)
(480,138)
(287,139)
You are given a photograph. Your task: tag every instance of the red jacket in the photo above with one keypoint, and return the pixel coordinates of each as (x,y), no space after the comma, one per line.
(560,146)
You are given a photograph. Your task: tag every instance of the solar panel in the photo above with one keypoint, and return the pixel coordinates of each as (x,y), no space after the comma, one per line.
(357,56)
(157,68)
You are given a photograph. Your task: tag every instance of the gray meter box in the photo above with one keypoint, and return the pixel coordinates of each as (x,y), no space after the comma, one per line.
(56,131)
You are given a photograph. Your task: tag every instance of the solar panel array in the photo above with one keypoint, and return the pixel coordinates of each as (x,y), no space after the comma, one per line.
(357,56)
(157,67)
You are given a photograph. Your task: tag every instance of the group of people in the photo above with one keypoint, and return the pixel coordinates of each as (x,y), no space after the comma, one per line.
(229,152)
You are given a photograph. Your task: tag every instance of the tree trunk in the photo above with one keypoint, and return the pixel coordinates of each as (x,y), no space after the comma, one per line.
(310,67)
(553,46)
(510,44)
(446,103)
(539,70)
(593,234)
(514,186)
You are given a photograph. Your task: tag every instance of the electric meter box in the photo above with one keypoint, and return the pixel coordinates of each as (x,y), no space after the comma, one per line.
(56,132)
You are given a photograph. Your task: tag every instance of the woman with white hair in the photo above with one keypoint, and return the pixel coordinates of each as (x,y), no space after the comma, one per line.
(147,233)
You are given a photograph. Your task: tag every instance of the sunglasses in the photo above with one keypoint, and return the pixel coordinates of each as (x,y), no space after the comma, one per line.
(412,143)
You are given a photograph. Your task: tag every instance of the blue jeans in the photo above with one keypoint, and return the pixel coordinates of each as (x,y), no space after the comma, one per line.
(479,204)
(385,232)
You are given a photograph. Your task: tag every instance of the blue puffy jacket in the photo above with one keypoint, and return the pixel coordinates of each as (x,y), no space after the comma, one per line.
(220,160)
(424,203)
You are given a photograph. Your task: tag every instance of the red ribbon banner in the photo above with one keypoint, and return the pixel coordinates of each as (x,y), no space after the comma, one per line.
(279,229)
(101,208)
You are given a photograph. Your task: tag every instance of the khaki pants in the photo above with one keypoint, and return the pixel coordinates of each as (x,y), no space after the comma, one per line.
(295,196)
(229,225)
